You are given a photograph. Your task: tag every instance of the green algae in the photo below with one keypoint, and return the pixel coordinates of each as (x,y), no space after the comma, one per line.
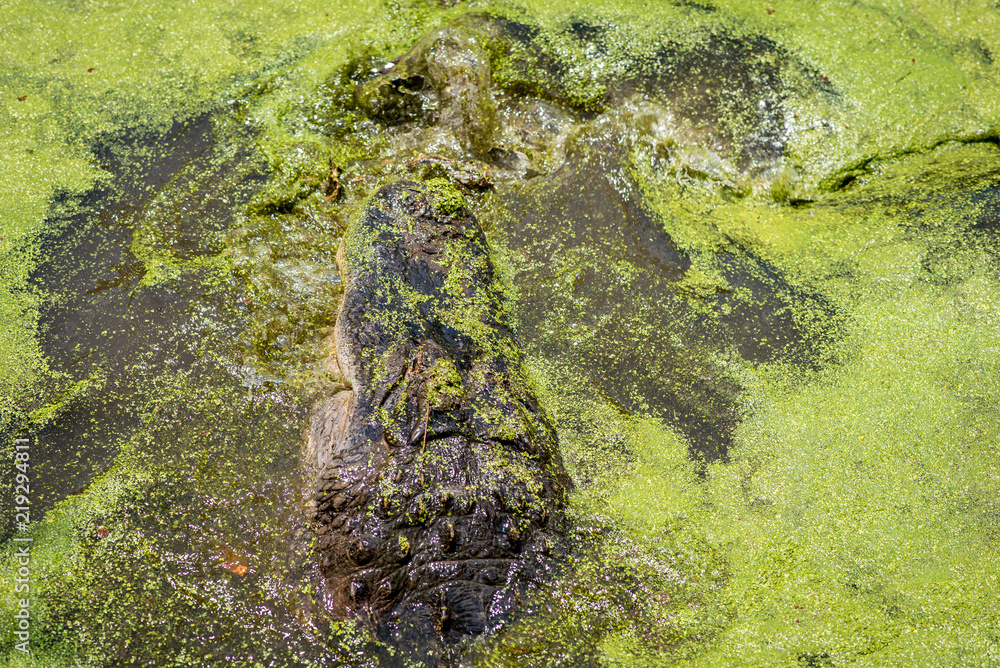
(855,520)
(852,521)
(445,384)
(79,74)
(37,176)
(906,58)
(447,199)
(857,493)
(144,563)
(868,518)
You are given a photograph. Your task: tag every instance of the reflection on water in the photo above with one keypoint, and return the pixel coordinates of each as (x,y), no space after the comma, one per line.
(200,526)
(105,324)
(602,292)
(776,401)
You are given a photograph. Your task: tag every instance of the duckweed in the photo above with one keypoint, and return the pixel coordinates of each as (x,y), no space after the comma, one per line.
(773,371)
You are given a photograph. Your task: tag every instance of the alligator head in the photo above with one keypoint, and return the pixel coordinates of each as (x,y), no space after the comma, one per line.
(440,486)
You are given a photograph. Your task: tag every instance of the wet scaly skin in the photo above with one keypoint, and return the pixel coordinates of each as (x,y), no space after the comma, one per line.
(440,490)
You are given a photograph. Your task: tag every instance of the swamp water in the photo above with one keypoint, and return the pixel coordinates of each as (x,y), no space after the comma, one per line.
(753,251)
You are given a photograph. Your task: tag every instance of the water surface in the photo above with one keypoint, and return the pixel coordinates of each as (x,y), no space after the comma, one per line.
(754,265)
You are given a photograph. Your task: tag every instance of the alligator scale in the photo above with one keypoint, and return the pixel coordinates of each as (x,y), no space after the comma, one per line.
(440,488)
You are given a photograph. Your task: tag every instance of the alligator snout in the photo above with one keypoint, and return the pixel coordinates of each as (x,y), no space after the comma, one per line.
(440,489)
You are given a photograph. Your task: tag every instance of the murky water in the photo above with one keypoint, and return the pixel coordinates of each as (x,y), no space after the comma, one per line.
(105,327)
(753,251)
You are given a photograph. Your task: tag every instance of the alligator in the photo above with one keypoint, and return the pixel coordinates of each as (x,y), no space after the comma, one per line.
(440,488)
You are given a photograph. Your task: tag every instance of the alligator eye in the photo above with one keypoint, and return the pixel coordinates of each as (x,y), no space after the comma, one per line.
(409,84)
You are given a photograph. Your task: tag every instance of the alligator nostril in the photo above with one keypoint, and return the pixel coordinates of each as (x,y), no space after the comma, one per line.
(361,550)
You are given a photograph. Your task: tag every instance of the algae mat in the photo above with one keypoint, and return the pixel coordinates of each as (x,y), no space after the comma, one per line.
(753,249)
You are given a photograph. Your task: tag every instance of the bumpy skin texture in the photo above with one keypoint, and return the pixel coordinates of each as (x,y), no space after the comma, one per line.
(440,490)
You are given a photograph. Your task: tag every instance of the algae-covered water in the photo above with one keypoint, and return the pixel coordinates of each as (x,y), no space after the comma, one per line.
(753,250)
